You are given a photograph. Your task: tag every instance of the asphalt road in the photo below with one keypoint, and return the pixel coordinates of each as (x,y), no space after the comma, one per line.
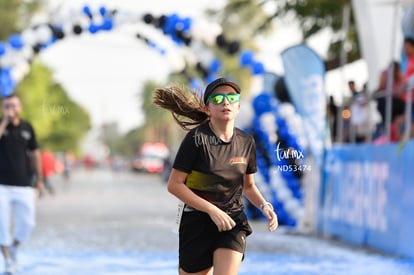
(124,223)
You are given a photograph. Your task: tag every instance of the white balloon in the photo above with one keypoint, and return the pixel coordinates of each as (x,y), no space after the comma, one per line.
(19,71)
(206,31)
(177,63)
(83,21)
(10,58)
(295,121)
(67,29)
(286,110)
(283,193)
(27,52)
(29,37)
(43,34)
(291,205)
(303,142)
(276,182)
(267,121)
(299,213)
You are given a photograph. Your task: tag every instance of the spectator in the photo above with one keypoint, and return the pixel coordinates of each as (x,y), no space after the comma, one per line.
(398,104)
(48,165)
(18,149)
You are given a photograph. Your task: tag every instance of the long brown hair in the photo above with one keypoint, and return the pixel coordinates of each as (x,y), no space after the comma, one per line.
(186,107)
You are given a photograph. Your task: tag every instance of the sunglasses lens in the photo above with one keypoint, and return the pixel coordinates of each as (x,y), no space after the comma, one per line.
(217,99)
(233,98)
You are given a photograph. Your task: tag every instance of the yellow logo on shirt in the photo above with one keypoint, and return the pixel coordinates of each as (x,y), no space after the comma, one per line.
(238,160)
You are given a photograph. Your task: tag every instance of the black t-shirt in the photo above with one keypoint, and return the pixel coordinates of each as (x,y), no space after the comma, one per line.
(216,169)
(16,144)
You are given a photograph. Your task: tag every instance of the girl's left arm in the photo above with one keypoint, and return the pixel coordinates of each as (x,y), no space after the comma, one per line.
(253,194)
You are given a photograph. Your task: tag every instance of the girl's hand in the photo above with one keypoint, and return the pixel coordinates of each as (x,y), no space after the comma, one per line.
(222,220)
(271,216)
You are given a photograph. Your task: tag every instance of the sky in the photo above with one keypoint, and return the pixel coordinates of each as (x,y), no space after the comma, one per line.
(105,72)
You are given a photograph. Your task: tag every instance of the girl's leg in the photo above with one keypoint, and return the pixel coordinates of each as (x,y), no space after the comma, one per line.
(227,261)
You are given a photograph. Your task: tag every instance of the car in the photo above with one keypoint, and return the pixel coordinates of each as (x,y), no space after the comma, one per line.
(151,158)
(148,164)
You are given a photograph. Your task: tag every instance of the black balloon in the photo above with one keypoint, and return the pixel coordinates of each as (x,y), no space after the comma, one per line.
(57,32)
(148,18)
(160,22)
(187,41)
(36,48)
(201,69)
(77,29)
(221,41)
(233,47)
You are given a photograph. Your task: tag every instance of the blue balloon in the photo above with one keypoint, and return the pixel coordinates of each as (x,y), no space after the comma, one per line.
(246,58)
(162,51)
(7,84)
(2,48)
(93,28)
(107,24)
(15,40)
(196,84)
(102,11)
(215,65)
(291,222)
(170,24)
(282,215)
(152,44)
(262,104)
(210,78)
(186,24)
(258,68)
(87,10)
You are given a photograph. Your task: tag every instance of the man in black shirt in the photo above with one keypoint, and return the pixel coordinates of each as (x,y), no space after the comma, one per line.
(18,150)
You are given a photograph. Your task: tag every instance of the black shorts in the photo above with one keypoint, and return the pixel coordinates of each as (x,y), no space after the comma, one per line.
(199,238)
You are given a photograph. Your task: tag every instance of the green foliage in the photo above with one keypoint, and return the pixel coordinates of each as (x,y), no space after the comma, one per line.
(15,15)
(246,18)
(155,117)
(159,125)
(60,123)
(128,144)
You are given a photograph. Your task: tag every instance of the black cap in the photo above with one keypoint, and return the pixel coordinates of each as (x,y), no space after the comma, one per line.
(216,83)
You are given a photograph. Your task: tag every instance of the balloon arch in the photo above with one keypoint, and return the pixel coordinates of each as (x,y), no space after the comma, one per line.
(275,124)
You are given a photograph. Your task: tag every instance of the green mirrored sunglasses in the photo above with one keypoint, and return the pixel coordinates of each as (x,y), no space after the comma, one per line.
(217,99)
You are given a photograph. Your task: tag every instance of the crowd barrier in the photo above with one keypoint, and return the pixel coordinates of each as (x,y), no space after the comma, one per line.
(367,196)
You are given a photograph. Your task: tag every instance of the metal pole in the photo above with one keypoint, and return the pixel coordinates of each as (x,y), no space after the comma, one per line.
(390,80)
(346,12)
(408,109)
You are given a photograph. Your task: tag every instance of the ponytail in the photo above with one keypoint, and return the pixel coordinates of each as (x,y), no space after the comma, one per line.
(187,111)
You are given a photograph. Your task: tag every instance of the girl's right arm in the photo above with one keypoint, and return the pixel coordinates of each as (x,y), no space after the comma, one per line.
(176,186)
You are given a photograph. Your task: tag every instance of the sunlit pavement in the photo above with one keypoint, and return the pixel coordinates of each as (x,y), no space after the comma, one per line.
(122,223)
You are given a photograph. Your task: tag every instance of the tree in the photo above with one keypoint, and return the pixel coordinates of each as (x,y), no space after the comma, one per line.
(60,123)
(159,124)
(15,15)
(312,15)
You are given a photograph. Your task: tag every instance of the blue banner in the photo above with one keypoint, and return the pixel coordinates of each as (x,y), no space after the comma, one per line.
(407,22)
(367,196)
(304,76)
